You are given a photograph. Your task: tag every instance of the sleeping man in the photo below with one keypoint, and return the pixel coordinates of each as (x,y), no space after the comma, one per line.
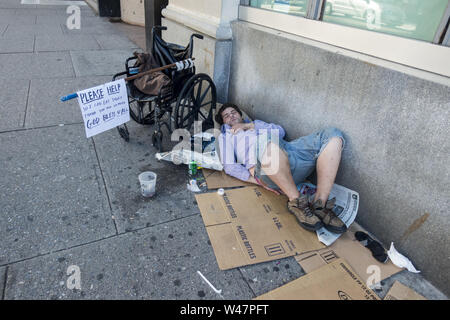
(256,152)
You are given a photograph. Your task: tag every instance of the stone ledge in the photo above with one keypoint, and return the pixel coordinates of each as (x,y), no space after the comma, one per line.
(206,24)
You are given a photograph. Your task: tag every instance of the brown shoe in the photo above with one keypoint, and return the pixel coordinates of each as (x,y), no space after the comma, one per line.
(300,209)
(331,222)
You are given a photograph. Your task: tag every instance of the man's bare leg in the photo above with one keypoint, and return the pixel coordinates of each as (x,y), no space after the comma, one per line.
(275,164)
(327,167)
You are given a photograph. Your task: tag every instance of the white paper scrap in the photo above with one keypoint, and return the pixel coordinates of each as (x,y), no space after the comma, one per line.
(400,260)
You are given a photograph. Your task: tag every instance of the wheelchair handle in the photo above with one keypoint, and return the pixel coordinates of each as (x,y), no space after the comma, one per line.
(69,97)
(159,28)
(185,63)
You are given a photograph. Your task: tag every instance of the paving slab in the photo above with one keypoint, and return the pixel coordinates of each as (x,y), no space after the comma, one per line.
(267,276)
(2,281)
(159,262)
(13,4)
(99,62)
(3,28)
(13,103)
(17,20)
(45,107)
(53,195)
(36,65)
(65,42)
(62,19)
(36,11)
(10,45)
(115,42)
(30,29)
(122,162)
(90,29)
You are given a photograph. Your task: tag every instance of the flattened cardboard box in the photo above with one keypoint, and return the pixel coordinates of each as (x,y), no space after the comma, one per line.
(219,179)
(402,292)
(358,256)
(334,281)
(252,225)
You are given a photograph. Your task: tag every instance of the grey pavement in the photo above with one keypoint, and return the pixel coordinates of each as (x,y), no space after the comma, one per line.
(70,202)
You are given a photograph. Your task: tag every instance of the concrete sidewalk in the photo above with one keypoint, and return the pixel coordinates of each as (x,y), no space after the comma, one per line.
(71,201)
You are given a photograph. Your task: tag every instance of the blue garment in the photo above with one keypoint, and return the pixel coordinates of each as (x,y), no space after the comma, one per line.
(302,153)
(237,151)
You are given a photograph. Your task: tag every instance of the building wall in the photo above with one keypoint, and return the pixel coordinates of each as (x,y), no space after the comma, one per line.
(133,12)
(396,129)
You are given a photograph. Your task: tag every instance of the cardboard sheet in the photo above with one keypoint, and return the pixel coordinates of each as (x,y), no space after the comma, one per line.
(358,256)
(334,281)
(251,225)
(219,179)
(402,292)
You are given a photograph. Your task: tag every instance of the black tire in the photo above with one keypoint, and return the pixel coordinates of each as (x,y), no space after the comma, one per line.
(196,101)
(143,112)
(123,131)
(157,140)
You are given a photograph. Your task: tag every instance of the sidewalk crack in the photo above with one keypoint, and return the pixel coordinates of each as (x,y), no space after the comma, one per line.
(26,105)
(4,284)
(106,188)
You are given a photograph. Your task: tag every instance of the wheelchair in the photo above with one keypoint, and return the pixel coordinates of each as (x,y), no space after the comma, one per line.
(189,97)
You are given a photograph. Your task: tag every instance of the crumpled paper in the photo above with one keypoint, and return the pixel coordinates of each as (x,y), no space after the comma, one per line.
(400,260)
(192,186)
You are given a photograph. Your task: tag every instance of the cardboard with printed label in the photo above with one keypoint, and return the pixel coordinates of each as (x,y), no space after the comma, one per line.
(251,225)
(358,256)
(334,281)
(399,291)
(219,179)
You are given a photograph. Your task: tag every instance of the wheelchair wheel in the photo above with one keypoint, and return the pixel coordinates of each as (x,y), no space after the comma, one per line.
(157,140)
(143,112)
(196,102)
(123,131)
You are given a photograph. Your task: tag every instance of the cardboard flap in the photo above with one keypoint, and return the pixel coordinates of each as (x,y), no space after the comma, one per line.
(226,247)
(334,281)
(358,256)
(402,292)
(259,226)
(212,208)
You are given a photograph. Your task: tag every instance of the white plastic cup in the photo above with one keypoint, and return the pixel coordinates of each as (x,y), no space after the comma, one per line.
(148,183)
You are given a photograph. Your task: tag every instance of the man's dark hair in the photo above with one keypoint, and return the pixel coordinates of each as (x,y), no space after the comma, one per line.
(218,116)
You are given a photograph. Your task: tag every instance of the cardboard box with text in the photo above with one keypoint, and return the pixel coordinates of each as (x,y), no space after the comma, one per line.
(251,225)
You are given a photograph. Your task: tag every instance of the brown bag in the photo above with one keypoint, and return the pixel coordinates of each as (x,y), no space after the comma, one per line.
(150,83)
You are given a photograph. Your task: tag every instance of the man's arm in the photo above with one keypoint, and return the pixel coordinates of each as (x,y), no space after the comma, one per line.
(258,125)
(228,159)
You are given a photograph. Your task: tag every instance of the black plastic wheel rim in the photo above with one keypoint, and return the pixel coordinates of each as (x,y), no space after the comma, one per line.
(196,101)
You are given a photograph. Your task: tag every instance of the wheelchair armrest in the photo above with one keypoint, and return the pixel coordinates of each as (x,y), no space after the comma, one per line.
(118,74)
(127,66)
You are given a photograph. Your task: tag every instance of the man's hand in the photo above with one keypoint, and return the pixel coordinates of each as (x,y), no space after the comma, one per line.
(242,126)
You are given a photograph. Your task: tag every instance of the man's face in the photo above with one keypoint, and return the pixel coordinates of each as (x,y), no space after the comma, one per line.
(230,116)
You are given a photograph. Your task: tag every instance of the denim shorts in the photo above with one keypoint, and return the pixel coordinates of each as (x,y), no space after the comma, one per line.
(302,153)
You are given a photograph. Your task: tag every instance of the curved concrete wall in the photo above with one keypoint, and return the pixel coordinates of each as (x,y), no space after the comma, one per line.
(396,128)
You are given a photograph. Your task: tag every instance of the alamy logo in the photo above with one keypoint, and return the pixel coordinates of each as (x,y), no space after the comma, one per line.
(74,20)
(74,281)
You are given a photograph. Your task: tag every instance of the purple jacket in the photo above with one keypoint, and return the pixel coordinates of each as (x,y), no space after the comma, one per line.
(237,151)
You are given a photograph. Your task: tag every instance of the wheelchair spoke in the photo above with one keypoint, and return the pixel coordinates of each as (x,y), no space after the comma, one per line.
(199,91)
(206,103)
(189,115)
(204,117)
(204,94)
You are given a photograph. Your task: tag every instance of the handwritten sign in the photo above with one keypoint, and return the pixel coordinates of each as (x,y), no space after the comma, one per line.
(104,107)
